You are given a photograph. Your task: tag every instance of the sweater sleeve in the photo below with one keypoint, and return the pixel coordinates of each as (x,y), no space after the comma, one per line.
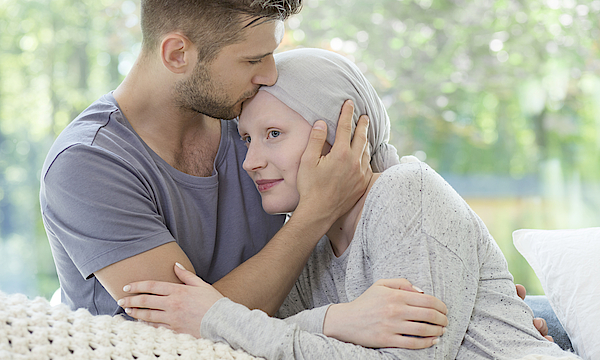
(298,309)
(260,335)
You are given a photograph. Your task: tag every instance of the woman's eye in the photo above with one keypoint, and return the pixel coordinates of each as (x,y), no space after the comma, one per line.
(246,139)
(274,133)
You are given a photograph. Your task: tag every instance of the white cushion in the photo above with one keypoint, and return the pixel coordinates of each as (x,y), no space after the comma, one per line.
(567,262)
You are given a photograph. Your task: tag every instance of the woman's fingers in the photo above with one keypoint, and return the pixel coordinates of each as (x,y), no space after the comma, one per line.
(143,301)
(149,287)
(414,343)
(147,315)
(187,277)
(421,329)
(427,315)
(423,301)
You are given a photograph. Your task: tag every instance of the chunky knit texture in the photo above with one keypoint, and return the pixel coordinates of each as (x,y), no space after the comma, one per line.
(32,329)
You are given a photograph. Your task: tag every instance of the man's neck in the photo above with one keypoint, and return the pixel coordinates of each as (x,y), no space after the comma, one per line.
(186,140)
(342,231)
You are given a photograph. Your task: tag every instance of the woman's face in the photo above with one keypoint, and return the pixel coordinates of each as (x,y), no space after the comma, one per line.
(276,137)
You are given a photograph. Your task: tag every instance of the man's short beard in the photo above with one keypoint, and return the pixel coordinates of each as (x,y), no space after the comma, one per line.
(199,94)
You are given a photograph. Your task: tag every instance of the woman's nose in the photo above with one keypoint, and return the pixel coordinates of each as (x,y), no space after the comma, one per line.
(254,159)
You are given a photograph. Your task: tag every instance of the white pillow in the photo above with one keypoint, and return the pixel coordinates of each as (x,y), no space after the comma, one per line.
(567,262)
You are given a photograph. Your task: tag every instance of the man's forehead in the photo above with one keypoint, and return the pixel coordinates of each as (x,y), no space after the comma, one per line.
(279,31)
(250,25)
(261,39)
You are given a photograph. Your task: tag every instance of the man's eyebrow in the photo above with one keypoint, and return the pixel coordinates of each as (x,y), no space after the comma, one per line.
(257,57)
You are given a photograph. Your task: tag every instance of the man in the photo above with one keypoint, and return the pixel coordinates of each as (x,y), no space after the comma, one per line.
(148,176)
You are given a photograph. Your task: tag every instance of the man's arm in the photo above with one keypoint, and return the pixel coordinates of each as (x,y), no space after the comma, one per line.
(155,264)
(329,186)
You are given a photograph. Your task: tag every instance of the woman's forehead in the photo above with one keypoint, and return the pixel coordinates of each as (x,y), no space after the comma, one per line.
(265,106)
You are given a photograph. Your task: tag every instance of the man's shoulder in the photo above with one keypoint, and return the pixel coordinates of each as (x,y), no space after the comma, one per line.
(84,129)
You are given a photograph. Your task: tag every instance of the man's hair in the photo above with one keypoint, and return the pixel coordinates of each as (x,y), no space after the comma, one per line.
(209,24)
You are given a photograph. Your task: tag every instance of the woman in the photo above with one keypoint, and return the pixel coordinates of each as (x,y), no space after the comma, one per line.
(410,224)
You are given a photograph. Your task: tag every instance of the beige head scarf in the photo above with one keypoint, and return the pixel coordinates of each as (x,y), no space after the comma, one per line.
(315,83)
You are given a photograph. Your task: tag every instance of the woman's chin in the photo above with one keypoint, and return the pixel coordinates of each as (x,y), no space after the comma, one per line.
(277,210)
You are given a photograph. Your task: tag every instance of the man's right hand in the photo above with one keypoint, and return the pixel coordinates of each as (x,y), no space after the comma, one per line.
(391,313)
(539,323)
(331,184)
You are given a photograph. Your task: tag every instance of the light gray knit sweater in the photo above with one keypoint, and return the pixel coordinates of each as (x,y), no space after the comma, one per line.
(413,226)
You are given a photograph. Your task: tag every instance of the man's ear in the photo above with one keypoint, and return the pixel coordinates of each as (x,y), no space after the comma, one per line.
(177,53)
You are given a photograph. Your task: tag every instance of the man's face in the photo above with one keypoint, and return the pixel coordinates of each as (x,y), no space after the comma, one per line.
(218,89)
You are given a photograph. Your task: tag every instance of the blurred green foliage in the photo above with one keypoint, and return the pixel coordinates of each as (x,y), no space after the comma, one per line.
(481,89)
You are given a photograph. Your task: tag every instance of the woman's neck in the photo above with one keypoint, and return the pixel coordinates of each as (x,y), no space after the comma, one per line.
(342,231)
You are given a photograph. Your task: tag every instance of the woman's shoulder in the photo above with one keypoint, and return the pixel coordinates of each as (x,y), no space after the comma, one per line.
(412,176)
(415,188)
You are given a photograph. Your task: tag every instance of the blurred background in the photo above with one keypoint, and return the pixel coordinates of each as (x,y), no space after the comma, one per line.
(500,97)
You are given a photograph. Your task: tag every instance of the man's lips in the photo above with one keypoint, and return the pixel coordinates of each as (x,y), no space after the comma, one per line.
(264,185)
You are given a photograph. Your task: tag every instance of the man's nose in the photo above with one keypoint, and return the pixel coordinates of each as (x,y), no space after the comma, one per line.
(267,73)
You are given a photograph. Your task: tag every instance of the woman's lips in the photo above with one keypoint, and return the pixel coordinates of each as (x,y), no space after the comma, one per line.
(264,185)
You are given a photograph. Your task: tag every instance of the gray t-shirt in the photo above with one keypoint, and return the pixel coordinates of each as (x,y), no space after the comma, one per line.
(106,196)
(414,226)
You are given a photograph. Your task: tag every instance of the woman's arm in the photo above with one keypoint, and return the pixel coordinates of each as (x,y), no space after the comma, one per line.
(260,335)
(381,317)
(251,330)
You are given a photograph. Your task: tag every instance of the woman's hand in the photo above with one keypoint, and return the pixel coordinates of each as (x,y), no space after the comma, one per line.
(179,307)
(391,313)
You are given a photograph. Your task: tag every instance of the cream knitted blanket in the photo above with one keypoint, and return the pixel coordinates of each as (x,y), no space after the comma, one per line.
(32,329)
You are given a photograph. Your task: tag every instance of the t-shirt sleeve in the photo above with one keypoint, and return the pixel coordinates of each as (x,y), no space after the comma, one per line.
(100,208)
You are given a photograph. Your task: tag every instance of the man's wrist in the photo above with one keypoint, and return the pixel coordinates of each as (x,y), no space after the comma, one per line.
(313,219)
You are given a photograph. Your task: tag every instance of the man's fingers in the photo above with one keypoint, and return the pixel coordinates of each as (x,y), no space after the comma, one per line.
(318,136)
(360,140)
(521,291)
(541,325)
(343,133)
